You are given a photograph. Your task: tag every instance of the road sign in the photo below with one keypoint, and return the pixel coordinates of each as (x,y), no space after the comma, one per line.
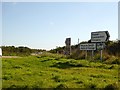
(68,46)
(100,46)
(88,46)
(68,41)
(101,36)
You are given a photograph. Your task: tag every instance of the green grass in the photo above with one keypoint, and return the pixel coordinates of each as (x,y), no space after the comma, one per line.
(56,72)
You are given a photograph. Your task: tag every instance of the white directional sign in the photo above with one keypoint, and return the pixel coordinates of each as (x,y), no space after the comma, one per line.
(101,36)
(88,46)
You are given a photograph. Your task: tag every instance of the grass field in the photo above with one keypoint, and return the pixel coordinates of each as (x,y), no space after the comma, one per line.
(57,72)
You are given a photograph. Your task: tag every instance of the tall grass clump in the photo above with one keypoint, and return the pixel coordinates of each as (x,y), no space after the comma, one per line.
(113,60)
(77,55)
(105,56)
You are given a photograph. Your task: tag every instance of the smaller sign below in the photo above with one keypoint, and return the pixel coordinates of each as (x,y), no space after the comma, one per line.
(88,46)
(100,46)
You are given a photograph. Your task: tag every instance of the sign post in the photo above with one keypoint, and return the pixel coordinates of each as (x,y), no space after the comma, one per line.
(92,54)
(100,37)
(86,55)
(88,46)
(101,55)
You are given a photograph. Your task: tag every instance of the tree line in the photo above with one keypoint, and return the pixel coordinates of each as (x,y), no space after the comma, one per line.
(18,51)
(112,48)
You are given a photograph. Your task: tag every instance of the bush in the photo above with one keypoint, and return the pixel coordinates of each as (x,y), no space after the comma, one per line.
(77,55)
(116,61)
(105,57)
(113,60)
(97,57)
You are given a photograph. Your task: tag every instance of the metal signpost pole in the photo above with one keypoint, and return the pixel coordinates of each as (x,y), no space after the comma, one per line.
(70,49)
(88,47)
(101,52)
(101,55)
(92,54)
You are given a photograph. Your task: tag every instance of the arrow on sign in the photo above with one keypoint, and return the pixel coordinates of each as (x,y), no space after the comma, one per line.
(108,35)
(101,36)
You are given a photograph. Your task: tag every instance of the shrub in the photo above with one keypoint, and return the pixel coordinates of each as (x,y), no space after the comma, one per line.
(116,61)
(106,56)
(97,57)
(77,55)
(113,60)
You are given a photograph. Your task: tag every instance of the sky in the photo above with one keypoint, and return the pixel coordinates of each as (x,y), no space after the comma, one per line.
(46,25)
(119,20)
(0,23)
